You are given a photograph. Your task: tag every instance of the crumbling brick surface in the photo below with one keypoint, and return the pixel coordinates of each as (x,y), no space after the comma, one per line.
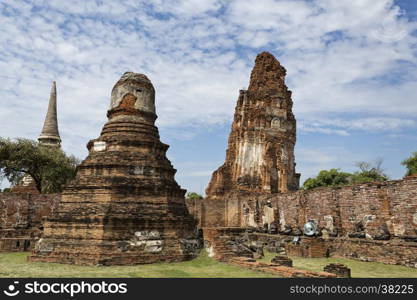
(21,216)
(339,269)
(282,261)
(256,186)
(281,271)
(17,240)
(310,247)
(22,211)
(376,209)
(372,222)
(218,245)
(221,244)
(394,251)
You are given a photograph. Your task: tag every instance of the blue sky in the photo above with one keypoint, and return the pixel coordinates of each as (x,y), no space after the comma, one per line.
(350,64)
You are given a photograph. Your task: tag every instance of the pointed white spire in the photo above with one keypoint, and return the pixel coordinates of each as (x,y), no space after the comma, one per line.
(50,134)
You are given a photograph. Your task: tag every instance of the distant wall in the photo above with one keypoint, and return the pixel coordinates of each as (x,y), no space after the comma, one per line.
(25,210)
(21,219)
(374,221)
(389,206)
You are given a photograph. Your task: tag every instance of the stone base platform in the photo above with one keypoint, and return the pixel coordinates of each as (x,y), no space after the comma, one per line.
(111,253)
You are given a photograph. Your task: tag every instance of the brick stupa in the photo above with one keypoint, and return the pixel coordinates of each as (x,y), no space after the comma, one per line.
(260,154)
(124,206)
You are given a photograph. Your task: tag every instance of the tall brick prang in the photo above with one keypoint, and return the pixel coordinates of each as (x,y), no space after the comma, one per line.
(124,206)
(260,154)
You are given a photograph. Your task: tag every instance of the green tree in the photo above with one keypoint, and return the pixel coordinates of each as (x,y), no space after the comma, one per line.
(369,172)
(49,167)
(411,164)
(332,177)
(192,195)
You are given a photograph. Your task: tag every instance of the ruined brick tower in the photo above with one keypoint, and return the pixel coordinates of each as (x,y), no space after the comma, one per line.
(124,206)
(50,134)
(260,154)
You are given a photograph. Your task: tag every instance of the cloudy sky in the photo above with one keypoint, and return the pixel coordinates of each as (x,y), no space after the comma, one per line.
(351,65)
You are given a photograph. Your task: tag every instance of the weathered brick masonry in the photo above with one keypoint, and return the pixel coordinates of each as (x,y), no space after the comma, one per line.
(281,271)
(255,187)
(395,251)
(21,219)
(371,222)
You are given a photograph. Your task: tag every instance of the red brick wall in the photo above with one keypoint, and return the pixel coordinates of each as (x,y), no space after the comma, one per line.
(390,205)
(395,252)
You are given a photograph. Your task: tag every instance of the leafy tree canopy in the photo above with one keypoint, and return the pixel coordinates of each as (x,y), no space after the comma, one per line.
(49,167)
(192,195)
(332,177)
(411,164)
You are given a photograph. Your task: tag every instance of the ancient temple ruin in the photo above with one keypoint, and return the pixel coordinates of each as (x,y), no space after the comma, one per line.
(260,153)
(49,137)
(50,134)
(124,206)
(253,198)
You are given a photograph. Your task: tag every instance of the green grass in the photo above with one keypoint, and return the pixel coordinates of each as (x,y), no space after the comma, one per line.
(359,269)
(16,265)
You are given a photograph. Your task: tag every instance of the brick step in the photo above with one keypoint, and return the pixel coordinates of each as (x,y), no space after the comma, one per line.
(281,271)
